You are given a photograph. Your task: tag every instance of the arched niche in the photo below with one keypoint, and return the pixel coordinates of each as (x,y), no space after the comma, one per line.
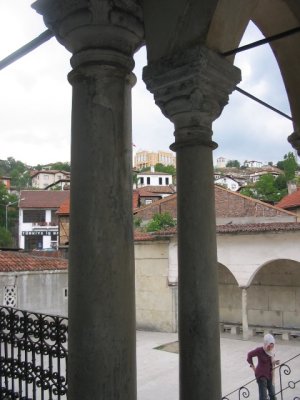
(230,302)
(274,295)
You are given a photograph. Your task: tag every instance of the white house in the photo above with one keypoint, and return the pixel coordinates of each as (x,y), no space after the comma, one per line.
(42,179)
(221,162)
(153,178)
(228,182)
(253,164)
(38,222)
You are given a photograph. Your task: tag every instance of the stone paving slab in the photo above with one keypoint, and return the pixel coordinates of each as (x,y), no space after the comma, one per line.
(157,375)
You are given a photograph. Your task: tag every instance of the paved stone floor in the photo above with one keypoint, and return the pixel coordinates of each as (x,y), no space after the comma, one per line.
(158,369)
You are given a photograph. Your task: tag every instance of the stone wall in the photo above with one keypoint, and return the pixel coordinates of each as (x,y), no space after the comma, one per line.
(43,291)
(156,301)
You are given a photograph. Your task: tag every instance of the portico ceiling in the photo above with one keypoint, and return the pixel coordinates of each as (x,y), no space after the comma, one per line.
(220,25)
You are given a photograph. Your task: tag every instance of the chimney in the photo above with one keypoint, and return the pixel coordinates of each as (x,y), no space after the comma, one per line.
(152,168)
(292,187)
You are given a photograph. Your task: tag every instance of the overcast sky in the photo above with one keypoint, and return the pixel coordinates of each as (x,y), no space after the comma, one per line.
(35,100)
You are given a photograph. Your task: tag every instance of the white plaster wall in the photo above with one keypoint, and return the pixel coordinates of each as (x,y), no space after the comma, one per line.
(154,180)
(42,291)
(244,254)
(173,262)
(156,301)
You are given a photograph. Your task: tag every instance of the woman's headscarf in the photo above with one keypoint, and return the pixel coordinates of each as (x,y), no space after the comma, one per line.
(269,339)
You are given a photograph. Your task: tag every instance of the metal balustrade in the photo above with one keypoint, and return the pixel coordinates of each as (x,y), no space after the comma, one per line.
(33,355)
(33,361)
(287,383)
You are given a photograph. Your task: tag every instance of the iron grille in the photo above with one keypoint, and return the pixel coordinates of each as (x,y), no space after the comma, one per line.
(33,355)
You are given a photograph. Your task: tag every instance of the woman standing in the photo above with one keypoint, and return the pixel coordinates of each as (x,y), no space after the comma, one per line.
(263,370)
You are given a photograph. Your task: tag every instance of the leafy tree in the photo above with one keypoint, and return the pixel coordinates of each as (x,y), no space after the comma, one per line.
(5,199)
(5,238)
(137,221)
(17,171)
(233,164)
(289,166)
(62,166)
(267,188)
(160,222)
(169,169)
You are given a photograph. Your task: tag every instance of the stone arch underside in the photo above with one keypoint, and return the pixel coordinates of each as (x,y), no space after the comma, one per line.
(230,301)
(274,295)
(271,17)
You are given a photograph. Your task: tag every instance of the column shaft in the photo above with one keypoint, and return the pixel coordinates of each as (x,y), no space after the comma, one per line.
(197,280)
(245,314)
(191,89)
(101,277)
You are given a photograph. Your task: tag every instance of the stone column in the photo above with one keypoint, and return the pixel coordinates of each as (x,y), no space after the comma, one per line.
(191,89)
(245,314)
(294,139)
(102,35)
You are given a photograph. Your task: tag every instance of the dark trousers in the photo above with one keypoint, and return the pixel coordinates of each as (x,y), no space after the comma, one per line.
(265,386)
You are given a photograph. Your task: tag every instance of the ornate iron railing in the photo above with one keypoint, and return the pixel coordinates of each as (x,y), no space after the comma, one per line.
(33,355)
(285,383)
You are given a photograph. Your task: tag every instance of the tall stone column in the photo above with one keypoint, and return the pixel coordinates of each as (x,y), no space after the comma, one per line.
(102,35)
(191,89)
(245,314)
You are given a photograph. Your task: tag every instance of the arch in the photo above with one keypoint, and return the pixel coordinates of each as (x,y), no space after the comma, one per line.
(230,301)
(281,269)
(274,294)
(271,17)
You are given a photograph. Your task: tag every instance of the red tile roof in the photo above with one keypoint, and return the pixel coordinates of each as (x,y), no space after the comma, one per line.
(157,189)
(227,204)
(42,198)
(225,229)
(64,208)
(290,201)
(11,261)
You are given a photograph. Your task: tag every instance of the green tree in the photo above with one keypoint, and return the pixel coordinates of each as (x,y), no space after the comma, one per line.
(169,169)
(267,188)
(289,166)
(62,166)
(5,238)
(160,222)
(5,199)
(233,164)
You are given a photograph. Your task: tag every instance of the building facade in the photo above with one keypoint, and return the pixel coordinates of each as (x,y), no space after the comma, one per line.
(38,221)
(44,178)
(144,159)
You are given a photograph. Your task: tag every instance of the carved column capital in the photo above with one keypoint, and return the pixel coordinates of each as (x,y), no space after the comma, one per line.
(191,88)
(112,26)
(294,140)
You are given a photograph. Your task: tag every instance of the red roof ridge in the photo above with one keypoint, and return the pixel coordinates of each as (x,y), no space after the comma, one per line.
(255,200)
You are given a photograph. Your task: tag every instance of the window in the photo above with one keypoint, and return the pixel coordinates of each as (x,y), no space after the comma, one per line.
(10,295)
(148,201)
(167,181)
(142,180)
(34,216)
(148,180)
(160,181)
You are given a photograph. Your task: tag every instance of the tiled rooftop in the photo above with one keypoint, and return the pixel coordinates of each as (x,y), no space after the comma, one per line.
(225,229)
(16,261)
(290,201)
(42,198)
(228,204)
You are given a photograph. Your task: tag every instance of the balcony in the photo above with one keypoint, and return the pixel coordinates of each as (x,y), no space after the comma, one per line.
(33,361)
